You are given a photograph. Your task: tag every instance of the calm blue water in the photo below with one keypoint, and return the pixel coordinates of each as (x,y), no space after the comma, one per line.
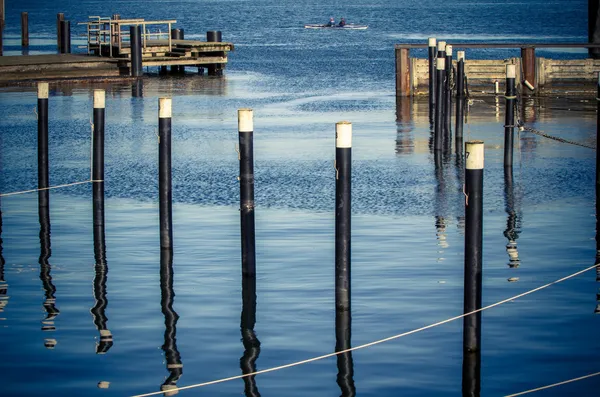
(407,226)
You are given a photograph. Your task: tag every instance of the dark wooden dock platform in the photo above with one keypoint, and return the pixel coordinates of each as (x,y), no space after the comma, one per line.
(109,55)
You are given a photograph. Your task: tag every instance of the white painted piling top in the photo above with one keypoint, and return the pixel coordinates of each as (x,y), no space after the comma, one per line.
(460,55)
(103,384)
(511,71)
(99,99)
(42,90)
(164,108)
(245,121)
(449,50)
(432,42)
(343,134)
(474,155)
(441,63)
(441,45)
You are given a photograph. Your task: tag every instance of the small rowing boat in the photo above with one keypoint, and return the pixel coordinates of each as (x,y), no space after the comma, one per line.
(326,26)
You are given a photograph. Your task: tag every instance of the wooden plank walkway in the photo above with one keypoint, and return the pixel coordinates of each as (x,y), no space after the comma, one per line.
(198,54)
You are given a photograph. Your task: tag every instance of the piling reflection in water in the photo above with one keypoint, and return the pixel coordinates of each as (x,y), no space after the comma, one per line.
(167,295)
(404,126)
(249,339)
(597,261)
(345,365)
(45,252)
(471,370)
(3,283)
(440,204)
(101,273)
(137,88)
(513,221)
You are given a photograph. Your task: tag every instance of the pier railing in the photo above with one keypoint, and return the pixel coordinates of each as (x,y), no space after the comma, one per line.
(110,37)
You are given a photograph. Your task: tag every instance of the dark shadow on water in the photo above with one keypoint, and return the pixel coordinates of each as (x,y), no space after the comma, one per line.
(3,284)
(404,126)
(513,221)
(167,296)
(345,365)
(45,268)
(249,339)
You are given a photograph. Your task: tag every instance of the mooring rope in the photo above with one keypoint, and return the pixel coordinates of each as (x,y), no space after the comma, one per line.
(553,385)
(414,331)
(48,188)
(562,140)
(522,127)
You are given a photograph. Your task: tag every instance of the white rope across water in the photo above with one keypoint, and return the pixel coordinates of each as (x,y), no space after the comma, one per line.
(91,180)
(554,385)
(414,331)
(48,188)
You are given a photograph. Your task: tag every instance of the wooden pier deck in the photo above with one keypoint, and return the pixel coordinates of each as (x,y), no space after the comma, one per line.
(68,66)
(109,55)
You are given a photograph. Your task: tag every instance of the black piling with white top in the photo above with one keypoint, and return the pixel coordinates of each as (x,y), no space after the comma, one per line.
(448,97)
(509,120)
(439,108)
(246,142)
(474,153)
(164,173)
(98,159)
(43,161)
(343,166)
(460,101)
(432,68)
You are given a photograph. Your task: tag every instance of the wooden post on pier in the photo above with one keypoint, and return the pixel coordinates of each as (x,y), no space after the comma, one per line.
(164,173)
(403,72)
(24,29)
(59,17)
(65,37)
(214,36)
(135,35)
(528,61)
(343,168)
(246,150)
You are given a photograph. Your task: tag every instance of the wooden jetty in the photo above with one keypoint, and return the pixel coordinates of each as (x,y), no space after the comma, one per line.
(109,53)
(576,77)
